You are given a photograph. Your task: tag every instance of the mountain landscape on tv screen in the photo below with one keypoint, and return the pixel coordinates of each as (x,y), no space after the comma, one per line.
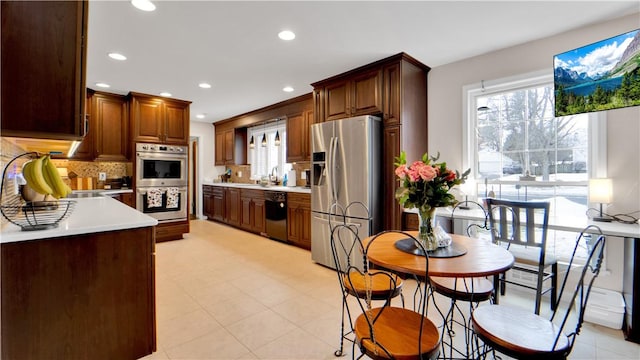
(601,76)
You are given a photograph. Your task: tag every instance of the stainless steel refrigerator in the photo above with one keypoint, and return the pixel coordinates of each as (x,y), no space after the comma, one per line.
(346,162)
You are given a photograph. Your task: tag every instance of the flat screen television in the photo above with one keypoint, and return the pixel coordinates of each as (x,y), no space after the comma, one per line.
(601,76)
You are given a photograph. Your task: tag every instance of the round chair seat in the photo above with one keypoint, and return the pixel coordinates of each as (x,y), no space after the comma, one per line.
(464,289)
(380,283)
(396,330)
(517,332)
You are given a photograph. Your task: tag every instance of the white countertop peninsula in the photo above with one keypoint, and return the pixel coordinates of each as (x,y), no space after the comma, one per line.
(91,215)
(298,189)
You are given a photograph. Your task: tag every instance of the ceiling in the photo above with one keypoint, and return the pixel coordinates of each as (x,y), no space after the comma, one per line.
(234,45)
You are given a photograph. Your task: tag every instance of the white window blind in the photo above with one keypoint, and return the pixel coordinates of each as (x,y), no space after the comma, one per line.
(270,158)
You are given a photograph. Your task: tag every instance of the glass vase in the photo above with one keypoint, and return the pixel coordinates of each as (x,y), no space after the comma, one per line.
(427,229)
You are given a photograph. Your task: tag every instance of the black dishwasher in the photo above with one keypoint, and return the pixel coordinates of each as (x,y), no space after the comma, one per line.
(275,203)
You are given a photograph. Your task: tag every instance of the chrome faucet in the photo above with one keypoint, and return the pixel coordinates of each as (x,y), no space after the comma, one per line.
(274,174)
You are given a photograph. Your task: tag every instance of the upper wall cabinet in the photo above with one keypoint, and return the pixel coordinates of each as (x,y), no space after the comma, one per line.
(110,112)
(395,89)
(43,69)
(107,132)
(298,132)
(159,120)
(231,134)
(230,146)
(359,94)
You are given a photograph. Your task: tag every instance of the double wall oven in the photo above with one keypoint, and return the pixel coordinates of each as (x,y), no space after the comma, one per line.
(161,181)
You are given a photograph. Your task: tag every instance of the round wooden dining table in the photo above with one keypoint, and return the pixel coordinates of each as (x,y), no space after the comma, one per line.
(482,258)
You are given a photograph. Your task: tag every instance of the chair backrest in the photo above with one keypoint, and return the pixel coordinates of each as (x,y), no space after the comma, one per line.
(588,274)
(375,275)
(346,244)
(474,229)
(346,248)
(519,222)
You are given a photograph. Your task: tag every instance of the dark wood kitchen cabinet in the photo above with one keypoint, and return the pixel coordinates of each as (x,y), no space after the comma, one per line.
(230,146)
(394,89)
(89,296)
(222,204)
(126,198)
(232,210)
(218,203)
(159,120)
(253,211)
(360,94)
(299,219)
(110,120)
(298,132)
(207,201)
(85,150)
(43,61)
(107,130)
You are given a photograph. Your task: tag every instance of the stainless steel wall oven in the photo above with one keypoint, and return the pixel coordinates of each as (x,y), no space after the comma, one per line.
(162,181)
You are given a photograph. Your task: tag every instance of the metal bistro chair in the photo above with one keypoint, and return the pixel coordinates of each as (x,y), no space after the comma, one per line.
(522,226)
(348,254)
(471,290)
(520,334)
(389,332)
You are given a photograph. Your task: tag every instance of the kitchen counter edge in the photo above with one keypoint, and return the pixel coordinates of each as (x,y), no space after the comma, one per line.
(91,215)
(297,189)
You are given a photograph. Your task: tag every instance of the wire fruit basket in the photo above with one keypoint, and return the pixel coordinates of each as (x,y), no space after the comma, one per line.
(29,215)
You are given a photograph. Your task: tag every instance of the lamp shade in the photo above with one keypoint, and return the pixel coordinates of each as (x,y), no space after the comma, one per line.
(600,191)
(276,142)
(468,187)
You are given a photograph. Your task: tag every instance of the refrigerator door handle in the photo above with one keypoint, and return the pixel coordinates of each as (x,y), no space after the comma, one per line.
(334,175)
(329,167)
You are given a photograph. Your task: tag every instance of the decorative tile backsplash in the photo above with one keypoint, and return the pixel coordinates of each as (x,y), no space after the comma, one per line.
(114,170)
(83,169)
(299,167)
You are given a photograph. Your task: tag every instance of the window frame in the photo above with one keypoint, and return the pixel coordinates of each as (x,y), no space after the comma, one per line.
(270,130)
(597,134)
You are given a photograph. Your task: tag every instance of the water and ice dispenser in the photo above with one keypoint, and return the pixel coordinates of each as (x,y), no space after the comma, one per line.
(319,172)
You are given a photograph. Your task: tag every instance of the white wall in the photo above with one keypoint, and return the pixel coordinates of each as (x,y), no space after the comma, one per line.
(207,171)
(623,125)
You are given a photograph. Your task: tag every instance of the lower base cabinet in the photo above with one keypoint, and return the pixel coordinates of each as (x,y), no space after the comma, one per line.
(252,217)
(88,296)
(126,198)
(171,231)
(245,209)
(299,219)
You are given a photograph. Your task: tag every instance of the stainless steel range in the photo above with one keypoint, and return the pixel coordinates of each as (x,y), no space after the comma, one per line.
(161,181)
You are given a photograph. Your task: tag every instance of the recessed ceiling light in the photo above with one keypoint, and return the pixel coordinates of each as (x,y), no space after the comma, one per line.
(144,5)
(286,35)
(117,56)
(287,89)
(102,85)
(205,85)
(165,94)
(200,116)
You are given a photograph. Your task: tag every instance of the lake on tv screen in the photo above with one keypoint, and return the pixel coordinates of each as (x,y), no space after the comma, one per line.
(588,88)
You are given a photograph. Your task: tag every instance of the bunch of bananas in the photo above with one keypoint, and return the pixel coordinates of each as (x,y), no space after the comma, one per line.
(43,177)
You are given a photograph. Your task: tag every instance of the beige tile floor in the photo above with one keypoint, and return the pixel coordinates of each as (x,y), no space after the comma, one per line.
(222,293)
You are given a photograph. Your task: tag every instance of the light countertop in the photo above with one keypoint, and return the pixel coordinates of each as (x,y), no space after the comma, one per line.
(571,223)
(91,215)
(298,189)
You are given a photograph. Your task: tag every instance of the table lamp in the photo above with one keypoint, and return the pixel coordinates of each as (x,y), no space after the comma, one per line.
(600,191)
(467,188)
